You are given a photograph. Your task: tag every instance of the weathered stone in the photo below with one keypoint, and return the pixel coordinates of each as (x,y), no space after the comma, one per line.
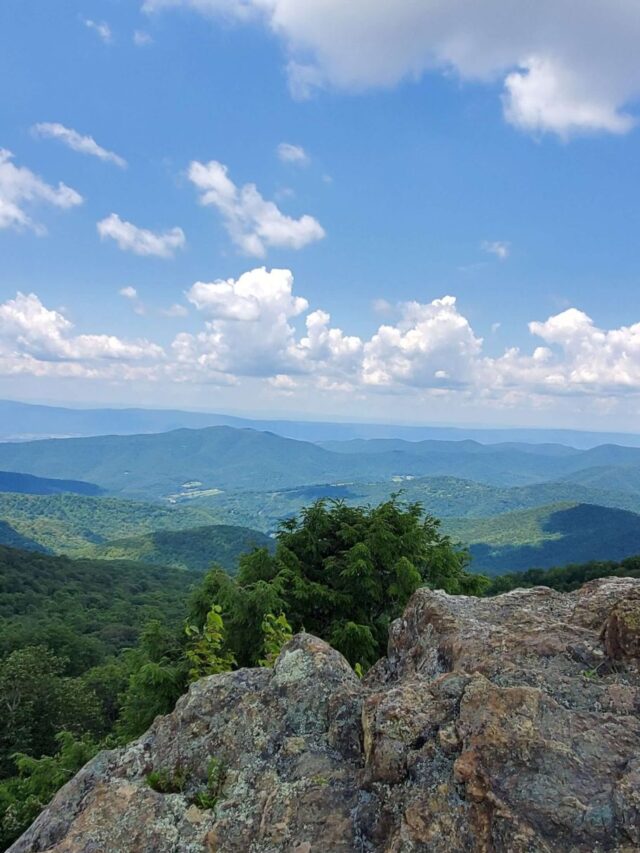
(621,630)
(505,725)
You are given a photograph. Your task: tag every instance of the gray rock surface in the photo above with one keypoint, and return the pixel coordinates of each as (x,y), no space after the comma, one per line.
(509,724)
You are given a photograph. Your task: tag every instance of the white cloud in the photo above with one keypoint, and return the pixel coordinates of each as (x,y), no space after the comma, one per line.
(38,340)
(249,330)
(77,142)
(20,188)
(566,68)
(432,345)
(256,329)
(499,248)
(141,38)
(131,294)
(283,384)
(544,96)
(289,153)
(253,223)
(175,310)
(382,306)
(141,241)
(101,28)
(252,329)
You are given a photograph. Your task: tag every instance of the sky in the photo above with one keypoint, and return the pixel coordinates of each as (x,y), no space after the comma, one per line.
(420,211)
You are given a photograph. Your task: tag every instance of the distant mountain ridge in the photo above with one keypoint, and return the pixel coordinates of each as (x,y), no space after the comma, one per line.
(188,462)
(26,421)
(11,481)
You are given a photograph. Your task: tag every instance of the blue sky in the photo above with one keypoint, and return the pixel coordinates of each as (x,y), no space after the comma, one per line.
(435,156)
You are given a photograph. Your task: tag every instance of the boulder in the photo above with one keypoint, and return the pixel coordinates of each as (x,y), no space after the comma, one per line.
(502,725)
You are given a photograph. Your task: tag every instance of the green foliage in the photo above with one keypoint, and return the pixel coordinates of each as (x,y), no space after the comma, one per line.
(206,653)
(83,610)
(194,549)
(22,797)
(115,529)
(157,677)
(340,572)
(168,781)
(38,701)
(550,536)
(276,632)
(216,777)
(566,578)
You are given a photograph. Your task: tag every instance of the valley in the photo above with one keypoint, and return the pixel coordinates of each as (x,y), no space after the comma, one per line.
(189,498)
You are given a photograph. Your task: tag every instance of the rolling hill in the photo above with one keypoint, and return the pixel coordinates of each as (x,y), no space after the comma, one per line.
(111,528)
(547,536)
(441,496)
(195,549)
(187,463)
(11,481)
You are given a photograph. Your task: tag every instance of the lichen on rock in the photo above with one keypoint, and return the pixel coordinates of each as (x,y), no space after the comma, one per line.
(509,724)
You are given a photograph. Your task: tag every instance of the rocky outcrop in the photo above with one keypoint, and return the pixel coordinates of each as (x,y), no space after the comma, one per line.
(508,724)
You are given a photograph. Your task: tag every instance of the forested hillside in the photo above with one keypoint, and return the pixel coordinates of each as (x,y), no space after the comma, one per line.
(566,578)
(11,481)
(189,463)
(194,549)
(444,497)
(83,610)
(548,536)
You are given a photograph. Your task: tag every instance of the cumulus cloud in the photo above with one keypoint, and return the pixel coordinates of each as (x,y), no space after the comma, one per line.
(499,248)
(566,68)
(432,345)
(289,153)
(253,223)
(248,330)
(141,241)
(101,29)
(77,142)
(39,340)
(256,328)
(20,189)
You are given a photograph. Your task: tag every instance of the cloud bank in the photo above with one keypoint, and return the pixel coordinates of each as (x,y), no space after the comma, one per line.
(257,329)
(565,67)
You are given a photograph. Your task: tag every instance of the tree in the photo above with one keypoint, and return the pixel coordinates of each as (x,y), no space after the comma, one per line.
(276,632)
(157,677)
(25,795)
(340,572)
(207,653)
(37,701)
